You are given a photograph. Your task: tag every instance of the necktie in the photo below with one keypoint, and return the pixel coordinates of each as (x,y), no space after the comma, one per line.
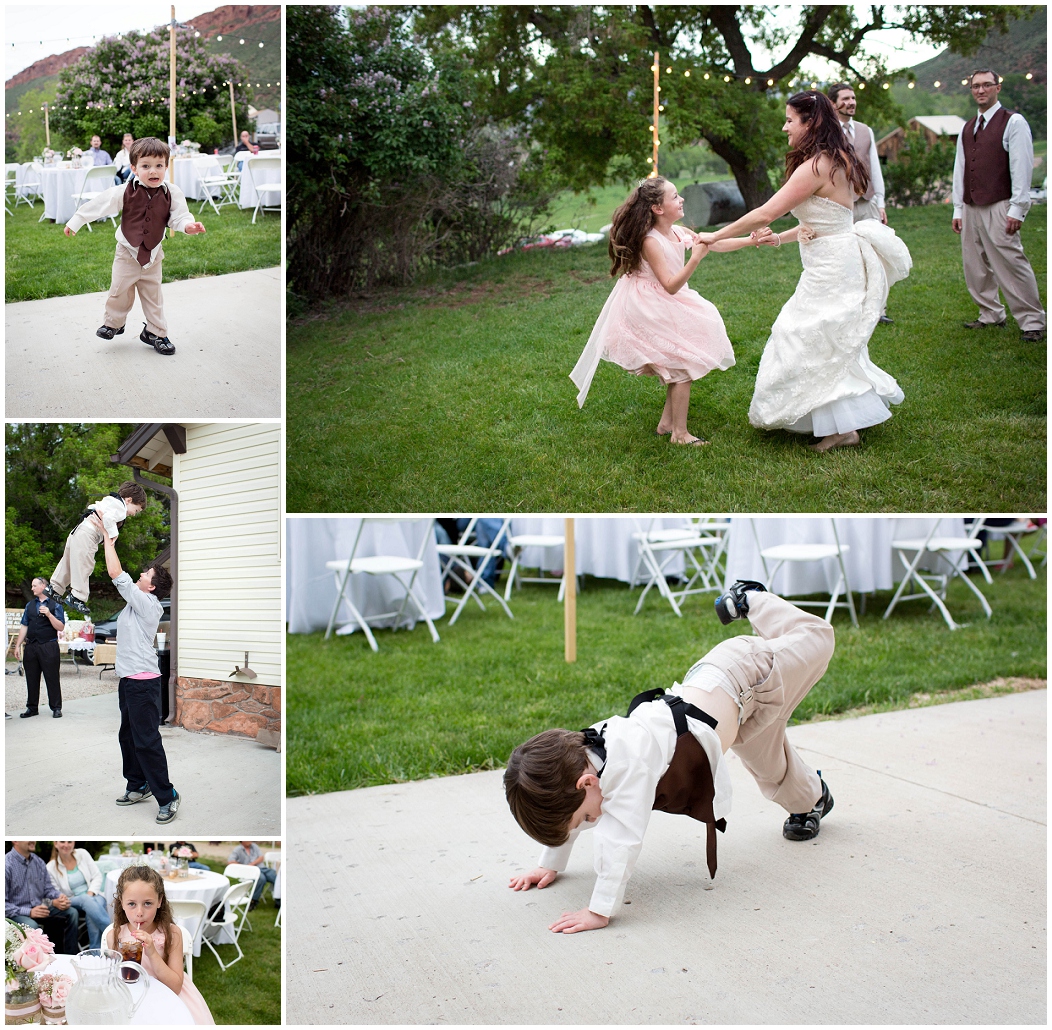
(979,124)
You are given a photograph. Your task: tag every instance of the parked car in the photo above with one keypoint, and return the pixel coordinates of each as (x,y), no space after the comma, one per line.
(105,632)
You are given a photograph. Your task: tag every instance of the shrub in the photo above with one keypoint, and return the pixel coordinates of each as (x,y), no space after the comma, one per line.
(923,173)
(205,130)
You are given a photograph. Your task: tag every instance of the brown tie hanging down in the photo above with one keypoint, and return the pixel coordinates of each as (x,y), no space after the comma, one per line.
(145,217)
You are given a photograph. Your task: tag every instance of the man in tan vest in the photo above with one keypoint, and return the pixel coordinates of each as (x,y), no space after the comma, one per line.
(991,196)
(871,203)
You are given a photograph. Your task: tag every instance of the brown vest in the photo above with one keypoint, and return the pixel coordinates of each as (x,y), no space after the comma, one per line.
(987,175)
(144,217)
(863,145)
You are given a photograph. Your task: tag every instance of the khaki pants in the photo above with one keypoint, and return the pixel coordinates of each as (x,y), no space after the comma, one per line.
(127,277)
(866,209)
(992,258)
(78,560)
(773,672)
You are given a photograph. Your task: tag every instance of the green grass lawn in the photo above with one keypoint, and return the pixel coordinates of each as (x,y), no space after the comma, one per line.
(41,262)
(454,395)
(250,990)
(417,709)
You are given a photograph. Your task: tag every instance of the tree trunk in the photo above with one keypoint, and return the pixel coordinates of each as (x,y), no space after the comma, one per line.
(751,178)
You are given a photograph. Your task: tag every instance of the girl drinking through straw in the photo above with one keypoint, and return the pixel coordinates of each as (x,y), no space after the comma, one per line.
(141,913)
(653,323)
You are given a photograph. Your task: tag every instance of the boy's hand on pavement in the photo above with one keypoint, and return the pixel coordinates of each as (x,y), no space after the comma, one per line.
(68,231)
(573,922)
(540,876)
(194,228)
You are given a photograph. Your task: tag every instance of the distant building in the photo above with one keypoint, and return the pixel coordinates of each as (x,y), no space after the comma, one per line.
(932,125)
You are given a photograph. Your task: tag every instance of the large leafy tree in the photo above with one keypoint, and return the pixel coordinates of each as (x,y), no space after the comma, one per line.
(580,77)
(122,85)
(53,471)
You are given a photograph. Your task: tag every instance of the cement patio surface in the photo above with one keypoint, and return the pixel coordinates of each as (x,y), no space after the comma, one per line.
(63,776)
(923,899)
(227,362)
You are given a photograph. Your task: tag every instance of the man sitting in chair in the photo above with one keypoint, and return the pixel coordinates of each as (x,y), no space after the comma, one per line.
(248,853)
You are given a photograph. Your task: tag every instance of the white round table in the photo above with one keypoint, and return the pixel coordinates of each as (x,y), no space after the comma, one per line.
(310,588)
(870,561)
(59,185)
(161,1006)
(187,172)
(206,886)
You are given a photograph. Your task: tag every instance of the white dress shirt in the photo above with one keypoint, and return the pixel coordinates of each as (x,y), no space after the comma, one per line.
(111,202)
(876,175)
(122,160)
(1019,143)
(111,510)
(638,752)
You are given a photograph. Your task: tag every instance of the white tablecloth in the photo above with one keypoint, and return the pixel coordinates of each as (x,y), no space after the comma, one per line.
(870,562)
(188,171)
(277,887)
(26,174)
(59,186)
(161,1005)
(310,588)
(208,887)
(248,197)
(603,547)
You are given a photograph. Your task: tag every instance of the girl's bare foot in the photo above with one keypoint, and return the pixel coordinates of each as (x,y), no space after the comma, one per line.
(828,443)
(689,441)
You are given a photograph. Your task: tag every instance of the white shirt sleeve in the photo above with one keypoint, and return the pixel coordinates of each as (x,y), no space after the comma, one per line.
(111,511)
(179,217)
(876,175)
(1020,146)
(958,178)
(558,858)
(106,205)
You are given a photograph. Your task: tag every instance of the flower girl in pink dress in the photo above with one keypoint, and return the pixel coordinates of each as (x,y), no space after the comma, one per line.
(653,323)
(141,913)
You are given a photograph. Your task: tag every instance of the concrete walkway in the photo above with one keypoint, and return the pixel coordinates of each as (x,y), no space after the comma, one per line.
(923,900)
(63,775)
(227,362)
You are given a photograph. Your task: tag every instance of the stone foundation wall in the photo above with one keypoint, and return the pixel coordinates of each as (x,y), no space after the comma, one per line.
(221,706)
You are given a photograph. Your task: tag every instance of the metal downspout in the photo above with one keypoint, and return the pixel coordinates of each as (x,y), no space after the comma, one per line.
(173,615)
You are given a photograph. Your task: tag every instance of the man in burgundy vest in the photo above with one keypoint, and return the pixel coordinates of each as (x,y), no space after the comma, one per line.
(147,205)
(991,196)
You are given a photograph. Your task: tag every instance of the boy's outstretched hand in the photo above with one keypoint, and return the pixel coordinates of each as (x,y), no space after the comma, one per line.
(540,876)
(573,922)
(68,231)
(194,228)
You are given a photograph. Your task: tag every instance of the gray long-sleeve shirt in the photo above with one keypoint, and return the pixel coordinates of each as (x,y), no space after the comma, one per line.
(136,629)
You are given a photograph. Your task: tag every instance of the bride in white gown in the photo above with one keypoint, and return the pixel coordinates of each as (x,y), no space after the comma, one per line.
(816,375)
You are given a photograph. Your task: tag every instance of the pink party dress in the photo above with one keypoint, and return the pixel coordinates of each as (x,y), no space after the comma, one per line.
(190,996)
(678,337)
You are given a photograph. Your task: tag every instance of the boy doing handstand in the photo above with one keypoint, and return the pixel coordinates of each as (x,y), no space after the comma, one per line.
(668,754)
(78,556)
(147,206)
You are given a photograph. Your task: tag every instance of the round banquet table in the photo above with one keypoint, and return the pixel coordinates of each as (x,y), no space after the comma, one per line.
(603,547)
(187,172)
(207,886)
(310,588)
(870,561)
(248,196)
(59,185)
(161,1006)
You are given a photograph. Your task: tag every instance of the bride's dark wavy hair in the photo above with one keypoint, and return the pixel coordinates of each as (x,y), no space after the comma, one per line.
(824,135)
(631,223)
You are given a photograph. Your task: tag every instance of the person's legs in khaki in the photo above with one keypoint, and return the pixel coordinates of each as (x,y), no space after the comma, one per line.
(151,298)
(124,276)
(978,273)
(1011,269)
(83,546)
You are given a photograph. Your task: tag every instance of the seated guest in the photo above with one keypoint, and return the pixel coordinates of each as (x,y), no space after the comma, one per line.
(245,144)
(248,853)
(123,160)
(97,154)
(74,872)
(449,531)
(30,898)
(194,856)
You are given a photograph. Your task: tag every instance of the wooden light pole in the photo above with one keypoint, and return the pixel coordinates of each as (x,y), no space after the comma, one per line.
(171,95)
(570,594)
(654,127)
(47,129)
(233,112)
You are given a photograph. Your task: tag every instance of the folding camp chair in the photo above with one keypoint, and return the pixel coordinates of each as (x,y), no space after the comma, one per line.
(227,183)
(457,568)
(517,544)
(395,566)
(224,916)
(941,546)
(255,167)
(97,181)
(190,915)
(779,554)
(658,548)
(1011,534)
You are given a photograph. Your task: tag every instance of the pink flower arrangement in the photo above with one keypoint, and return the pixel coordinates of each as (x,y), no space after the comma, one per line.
(183,852)
(35,952)
(54,990)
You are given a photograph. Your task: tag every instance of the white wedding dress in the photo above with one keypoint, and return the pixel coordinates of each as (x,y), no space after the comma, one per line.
(815,375)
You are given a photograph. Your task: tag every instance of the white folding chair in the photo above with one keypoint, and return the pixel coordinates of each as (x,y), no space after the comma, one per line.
(98,180)
(941,546)
(1011,534)
(658,548)
(517,544)
(458,568)
(10,186)
(256,166)
(272,859)
(780,554)
(235,894)
(192,913)
(1039,547)
(395,566)
(243,874)
(30,187)
(226,182)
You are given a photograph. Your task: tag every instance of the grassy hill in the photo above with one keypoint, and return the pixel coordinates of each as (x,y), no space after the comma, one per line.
(264,64)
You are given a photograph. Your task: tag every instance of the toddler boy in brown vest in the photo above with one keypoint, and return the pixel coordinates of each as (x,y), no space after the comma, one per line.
(147,206)
(667,754)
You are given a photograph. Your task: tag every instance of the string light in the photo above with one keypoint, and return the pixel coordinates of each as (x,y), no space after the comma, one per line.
(1029,75)
(937,84)
(770,82)
(910,85)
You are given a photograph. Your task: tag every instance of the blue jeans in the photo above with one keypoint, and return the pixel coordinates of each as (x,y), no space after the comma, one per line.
(266,875)
(61,929)
(94,908)
(486,531)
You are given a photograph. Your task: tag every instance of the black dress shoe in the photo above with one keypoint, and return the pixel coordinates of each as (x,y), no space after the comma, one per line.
(70,601)
(1032,335)
(28,713)
(806,825)
(107,333)
(884,320)
(56,713)
(161,344)
(986,325)
(735,604)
